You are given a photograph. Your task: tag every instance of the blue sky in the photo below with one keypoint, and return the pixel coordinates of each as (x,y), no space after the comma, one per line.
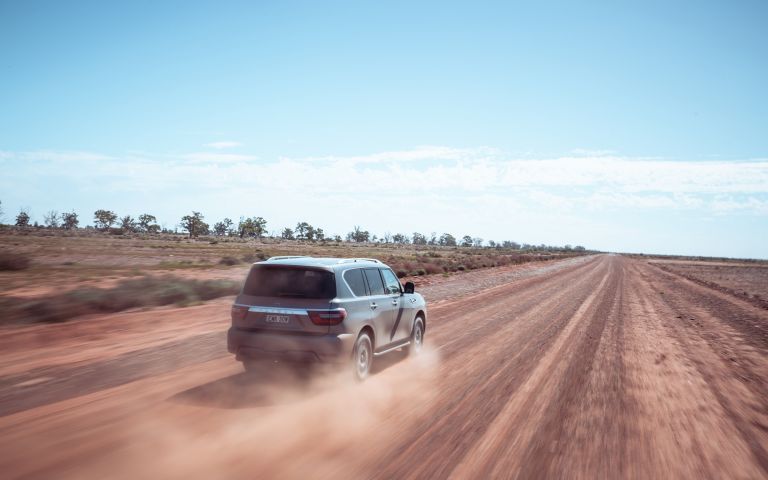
(621,127)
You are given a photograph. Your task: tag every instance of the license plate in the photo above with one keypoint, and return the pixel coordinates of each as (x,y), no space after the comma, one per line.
(277,319)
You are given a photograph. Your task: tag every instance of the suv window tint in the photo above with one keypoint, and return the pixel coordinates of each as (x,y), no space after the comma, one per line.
(391,283)
(288,281)
(356,281)
(375,284)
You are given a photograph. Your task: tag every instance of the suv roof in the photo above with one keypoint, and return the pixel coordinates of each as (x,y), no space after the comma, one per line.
(328,262)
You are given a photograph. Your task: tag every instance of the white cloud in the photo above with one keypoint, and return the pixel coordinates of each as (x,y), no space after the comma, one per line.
(440,174)
(598,199)
(223,144)
(437,169)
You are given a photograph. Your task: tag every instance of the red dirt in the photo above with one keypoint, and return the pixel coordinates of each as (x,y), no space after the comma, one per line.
(601,367)
(749,281)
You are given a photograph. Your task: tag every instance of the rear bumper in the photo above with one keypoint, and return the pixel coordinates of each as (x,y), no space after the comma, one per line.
(258,345)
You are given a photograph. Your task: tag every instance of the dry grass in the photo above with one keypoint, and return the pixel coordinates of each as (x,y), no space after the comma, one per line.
(71,273)
(127,294)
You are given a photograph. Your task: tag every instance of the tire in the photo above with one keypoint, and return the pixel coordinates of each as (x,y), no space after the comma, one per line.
(417,336)
(362,357)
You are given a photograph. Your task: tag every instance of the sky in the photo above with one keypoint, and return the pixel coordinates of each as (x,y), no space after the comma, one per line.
(626,127)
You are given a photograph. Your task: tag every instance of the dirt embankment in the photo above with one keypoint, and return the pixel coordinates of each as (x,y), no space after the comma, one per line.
(605,367)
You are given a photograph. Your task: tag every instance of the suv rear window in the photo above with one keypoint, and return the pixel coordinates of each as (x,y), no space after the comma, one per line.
(289,282)
(356,281)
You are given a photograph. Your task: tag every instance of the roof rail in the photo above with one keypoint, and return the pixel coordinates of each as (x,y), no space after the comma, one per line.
(350,260)
(286,257)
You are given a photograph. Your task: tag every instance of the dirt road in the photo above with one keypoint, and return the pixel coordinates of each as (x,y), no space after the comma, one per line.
(603,367)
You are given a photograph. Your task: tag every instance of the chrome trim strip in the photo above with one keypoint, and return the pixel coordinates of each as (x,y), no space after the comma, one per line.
(277,310)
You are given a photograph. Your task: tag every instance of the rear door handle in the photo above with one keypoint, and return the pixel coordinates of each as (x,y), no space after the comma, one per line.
(373,306)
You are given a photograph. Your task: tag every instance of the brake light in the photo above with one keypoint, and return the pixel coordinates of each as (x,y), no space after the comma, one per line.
(327,317)
(239,312)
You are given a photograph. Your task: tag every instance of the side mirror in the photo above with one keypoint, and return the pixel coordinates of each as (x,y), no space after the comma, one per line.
(409,287)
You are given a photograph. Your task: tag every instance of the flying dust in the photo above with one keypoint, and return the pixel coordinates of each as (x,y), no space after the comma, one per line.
(275,424)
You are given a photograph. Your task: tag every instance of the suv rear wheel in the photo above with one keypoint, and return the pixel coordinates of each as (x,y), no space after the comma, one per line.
(362,358)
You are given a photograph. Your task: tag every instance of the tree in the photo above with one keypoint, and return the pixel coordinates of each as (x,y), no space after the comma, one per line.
(419,239)
(51,219)
(194,224)
(287,234)
(147,223)
(319,234)
(22,219)
(245,226)
(400,238)
(477,242)
(69,220)
(128,224)
(252,227)
(358,235)
(104,219)
(337,238)
(259,227)
(387,237)
(491,243)
(447,240)
(302,228)
(433,239)
(1,212)
(223,227)
(466,241)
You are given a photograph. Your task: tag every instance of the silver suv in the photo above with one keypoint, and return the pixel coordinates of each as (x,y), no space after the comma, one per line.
(307,309)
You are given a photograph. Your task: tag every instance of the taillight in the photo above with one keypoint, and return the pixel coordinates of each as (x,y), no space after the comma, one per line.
(327,317)
(239,312)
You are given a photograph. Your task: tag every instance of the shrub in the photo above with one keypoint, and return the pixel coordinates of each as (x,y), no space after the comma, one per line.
(14,261)
(432,268)
(130,293)
(251,257)
(210,289)
(401,273)
(229,261)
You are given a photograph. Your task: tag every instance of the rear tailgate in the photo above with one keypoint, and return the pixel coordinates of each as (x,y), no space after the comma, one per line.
(280,298)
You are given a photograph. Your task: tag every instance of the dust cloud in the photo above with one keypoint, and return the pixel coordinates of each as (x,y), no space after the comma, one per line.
(279,424)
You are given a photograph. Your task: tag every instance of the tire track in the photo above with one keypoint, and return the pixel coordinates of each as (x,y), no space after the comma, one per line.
(489,370)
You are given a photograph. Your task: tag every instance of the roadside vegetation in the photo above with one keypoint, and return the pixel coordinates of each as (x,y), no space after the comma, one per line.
(127,294)
(62,269)
(194,225)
